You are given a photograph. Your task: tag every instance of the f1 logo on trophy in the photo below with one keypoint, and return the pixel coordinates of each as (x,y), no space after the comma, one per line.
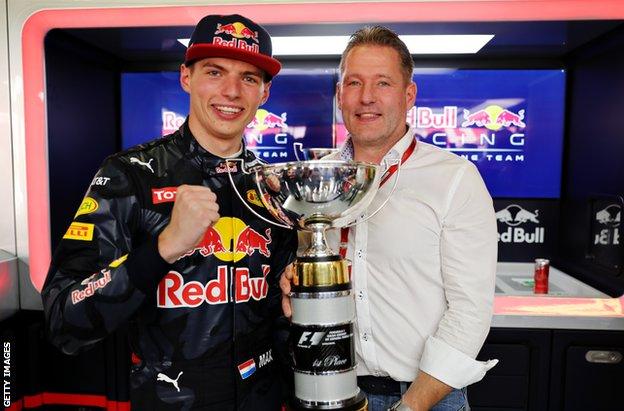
(314,196)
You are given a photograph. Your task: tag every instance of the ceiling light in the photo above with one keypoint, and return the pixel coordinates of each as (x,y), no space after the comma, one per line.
(417,44)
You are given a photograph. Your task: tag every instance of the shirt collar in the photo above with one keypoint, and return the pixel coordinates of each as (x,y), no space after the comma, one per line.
(397,150)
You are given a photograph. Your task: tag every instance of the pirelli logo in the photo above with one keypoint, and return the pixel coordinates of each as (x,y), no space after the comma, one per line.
(79,231)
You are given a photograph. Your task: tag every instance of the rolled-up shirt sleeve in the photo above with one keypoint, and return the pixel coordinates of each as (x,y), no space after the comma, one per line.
(468,253)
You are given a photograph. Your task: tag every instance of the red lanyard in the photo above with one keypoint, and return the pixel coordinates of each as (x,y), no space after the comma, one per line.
(344,231)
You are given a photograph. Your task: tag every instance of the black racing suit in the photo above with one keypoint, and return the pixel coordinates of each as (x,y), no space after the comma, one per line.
(201,327)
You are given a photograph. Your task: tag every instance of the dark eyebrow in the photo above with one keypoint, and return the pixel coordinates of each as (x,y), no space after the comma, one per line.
(208,64)
(252,73)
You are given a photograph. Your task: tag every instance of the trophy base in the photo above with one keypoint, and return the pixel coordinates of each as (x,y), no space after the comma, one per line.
(358,403)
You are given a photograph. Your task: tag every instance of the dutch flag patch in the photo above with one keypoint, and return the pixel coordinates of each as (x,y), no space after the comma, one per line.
(247,368)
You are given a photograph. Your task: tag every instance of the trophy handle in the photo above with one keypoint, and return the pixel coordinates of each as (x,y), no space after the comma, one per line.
(394,186)
(254,170)
(298,148)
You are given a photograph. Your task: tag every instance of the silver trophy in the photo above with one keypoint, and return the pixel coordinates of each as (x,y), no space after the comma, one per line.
(315,196)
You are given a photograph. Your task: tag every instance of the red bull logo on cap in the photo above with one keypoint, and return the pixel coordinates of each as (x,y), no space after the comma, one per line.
(493,118)
(230,239)
(240,34)
(238,30)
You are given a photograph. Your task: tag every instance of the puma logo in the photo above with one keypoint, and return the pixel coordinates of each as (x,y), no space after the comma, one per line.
(135,160)
(163,377)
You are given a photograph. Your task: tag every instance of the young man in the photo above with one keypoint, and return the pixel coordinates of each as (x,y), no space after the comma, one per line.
(424,266)
(162,242)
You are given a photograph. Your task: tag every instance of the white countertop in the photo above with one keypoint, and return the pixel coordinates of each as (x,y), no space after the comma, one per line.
(569,304)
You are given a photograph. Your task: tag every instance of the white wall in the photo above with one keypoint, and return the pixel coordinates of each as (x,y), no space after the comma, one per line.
(7,214)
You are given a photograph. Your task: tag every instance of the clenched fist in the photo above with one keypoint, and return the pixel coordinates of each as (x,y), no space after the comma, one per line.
(195,209)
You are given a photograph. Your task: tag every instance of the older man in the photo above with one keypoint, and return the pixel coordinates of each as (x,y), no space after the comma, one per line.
(424,267)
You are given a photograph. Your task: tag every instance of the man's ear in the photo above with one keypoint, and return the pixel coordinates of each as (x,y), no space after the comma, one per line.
(338,100)
(185,78)
(410,94)
(266,92)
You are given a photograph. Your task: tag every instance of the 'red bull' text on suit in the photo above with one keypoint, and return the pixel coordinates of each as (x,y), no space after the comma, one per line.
(201,328)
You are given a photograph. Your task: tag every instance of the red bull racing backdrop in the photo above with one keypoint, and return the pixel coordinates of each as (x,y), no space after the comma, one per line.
(508,122)
(299,112)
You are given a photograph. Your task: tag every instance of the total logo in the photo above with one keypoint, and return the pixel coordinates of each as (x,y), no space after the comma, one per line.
(493,118)
(610,216)
(230,239)
(239,33)
(174,292)
(513,216)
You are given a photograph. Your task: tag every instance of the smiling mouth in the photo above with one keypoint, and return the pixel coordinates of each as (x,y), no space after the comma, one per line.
(368,116)
(227,110)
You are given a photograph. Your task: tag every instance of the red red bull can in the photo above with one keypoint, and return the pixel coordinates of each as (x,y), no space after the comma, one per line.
(540,278)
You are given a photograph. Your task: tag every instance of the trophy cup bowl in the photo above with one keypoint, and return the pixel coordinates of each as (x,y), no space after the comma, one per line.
(329,193)
(317,153)
(315,196)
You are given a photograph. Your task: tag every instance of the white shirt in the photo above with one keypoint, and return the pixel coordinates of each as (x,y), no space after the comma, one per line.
(423,270)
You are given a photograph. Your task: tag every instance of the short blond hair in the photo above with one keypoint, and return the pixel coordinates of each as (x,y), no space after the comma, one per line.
(381,36)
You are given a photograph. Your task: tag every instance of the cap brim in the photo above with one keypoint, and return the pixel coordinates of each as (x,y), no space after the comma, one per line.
(202,51)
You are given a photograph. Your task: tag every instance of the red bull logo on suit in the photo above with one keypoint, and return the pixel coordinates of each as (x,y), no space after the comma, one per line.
(230,239)
(174,292)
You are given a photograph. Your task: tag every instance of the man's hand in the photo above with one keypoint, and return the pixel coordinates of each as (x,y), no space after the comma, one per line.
(195,209)
(285,280)
(425,392)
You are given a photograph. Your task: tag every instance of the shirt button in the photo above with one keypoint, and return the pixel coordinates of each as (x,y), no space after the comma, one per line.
(365,337)
(360,253)
(360,295)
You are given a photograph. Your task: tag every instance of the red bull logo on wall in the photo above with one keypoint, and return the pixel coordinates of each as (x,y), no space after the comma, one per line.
(273,128)
(493,118)
(265,120)
(426,117)
(171,122)
(240,34)
(513,216)
(609,218)
(230,239)
(474,137)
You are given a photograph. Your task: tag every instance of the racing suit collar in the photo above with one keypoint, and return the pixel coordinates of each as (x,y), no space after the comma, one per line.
(205,160)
